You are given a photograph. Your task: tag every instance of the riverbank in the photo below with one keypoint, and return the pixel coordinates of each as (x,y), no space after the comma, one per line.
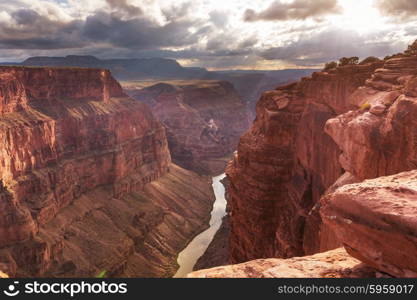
(196,248)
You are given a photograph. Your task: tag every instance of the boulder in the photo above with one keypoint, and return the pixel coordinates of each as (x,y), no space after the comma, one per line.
(376,220)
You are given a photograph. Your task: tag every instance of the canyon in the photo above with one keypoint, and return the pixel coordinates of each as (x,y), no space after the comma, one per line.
(87,183)
(324,182)
(204,120)
(95,176)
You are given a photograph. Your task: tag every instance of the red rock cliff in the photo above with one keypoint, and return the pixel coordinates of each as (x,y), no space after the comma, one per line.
(78,164)
(204,121)
(284,164)
(376,222)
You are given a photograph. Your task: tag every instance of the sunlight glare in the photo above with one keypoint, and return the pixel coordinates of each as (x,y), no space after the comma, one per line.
(361,16)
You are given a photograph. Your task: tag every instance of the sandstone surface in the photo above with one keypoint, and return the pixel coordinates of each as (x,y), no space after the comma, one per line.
(376,220)
(86,179)
(332,264)
(284,164)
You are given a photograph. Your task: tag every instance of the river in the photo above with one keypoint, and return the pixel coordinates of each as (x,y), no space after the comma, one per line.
(196,248)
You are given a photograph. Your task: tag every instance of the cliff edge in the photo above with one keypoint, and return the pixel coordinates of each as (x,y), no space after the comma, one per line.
(87,182)
(297,181)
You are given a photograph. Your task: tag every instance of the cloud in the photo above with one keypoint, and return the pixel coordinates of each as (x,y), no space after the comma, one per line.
(125,7)
(219,18)
(175,12)
(296,10)
(401,9)
(27,29)
(138,33)
(208,33)
(411,30)
(330,45)
(248,42)
(30,30)
(25,16)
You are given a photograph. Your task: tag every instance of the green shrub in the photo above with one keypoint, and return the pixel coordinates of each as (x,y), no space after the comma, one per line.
(330,65)
(354,60)
(102,274)
(365,106)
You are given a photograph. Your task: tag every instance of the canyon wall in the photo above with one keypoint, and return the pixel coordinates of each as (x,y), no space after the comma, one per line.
(285,162)
(297,182)
(87,182)
(375,221)
(203,119)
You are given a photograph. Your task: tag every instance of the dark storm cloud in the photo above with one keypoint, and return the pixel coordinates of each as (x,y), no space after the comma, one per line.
(138,33)
(25,16)
(35,31)
(296,10)
(125,7)
(331,45)
(401,9)
(39,32)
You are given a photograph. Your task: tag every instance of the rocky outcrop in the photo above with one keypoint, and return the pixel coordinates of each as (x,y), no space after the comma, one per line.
(370,137)
(21,87)
(323,136)
(86,179)
(332,264)
(379,139)
(285,162)
(203,119)
(376,221)
(122,69)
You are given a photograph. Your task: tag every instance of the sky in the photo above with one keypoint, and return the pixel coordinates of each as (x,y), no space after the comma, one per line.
(216,34)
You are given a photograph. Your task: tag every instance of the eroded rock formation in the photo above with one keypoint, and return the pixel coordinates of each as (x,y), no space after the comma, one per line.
(87,182)
(381,139)
(204,121)
(285,162)
(332,264)
(323,136)
(376,221)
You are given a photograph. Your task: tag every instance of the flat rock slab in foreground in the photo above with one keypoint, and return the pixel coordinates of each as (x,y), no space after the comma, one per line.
(376,220)
(332,264)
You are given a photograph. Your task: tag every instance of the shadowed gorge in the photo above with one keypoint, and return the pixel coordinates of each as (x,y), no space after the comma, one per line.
(203,119)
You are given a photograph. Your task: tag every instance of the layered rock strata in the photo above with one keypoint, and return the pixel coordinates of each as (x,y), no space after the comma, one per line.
(296,152)
(87,182)
(203,119)
(285,162)
(332,264)
(381,138)
(376,221)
